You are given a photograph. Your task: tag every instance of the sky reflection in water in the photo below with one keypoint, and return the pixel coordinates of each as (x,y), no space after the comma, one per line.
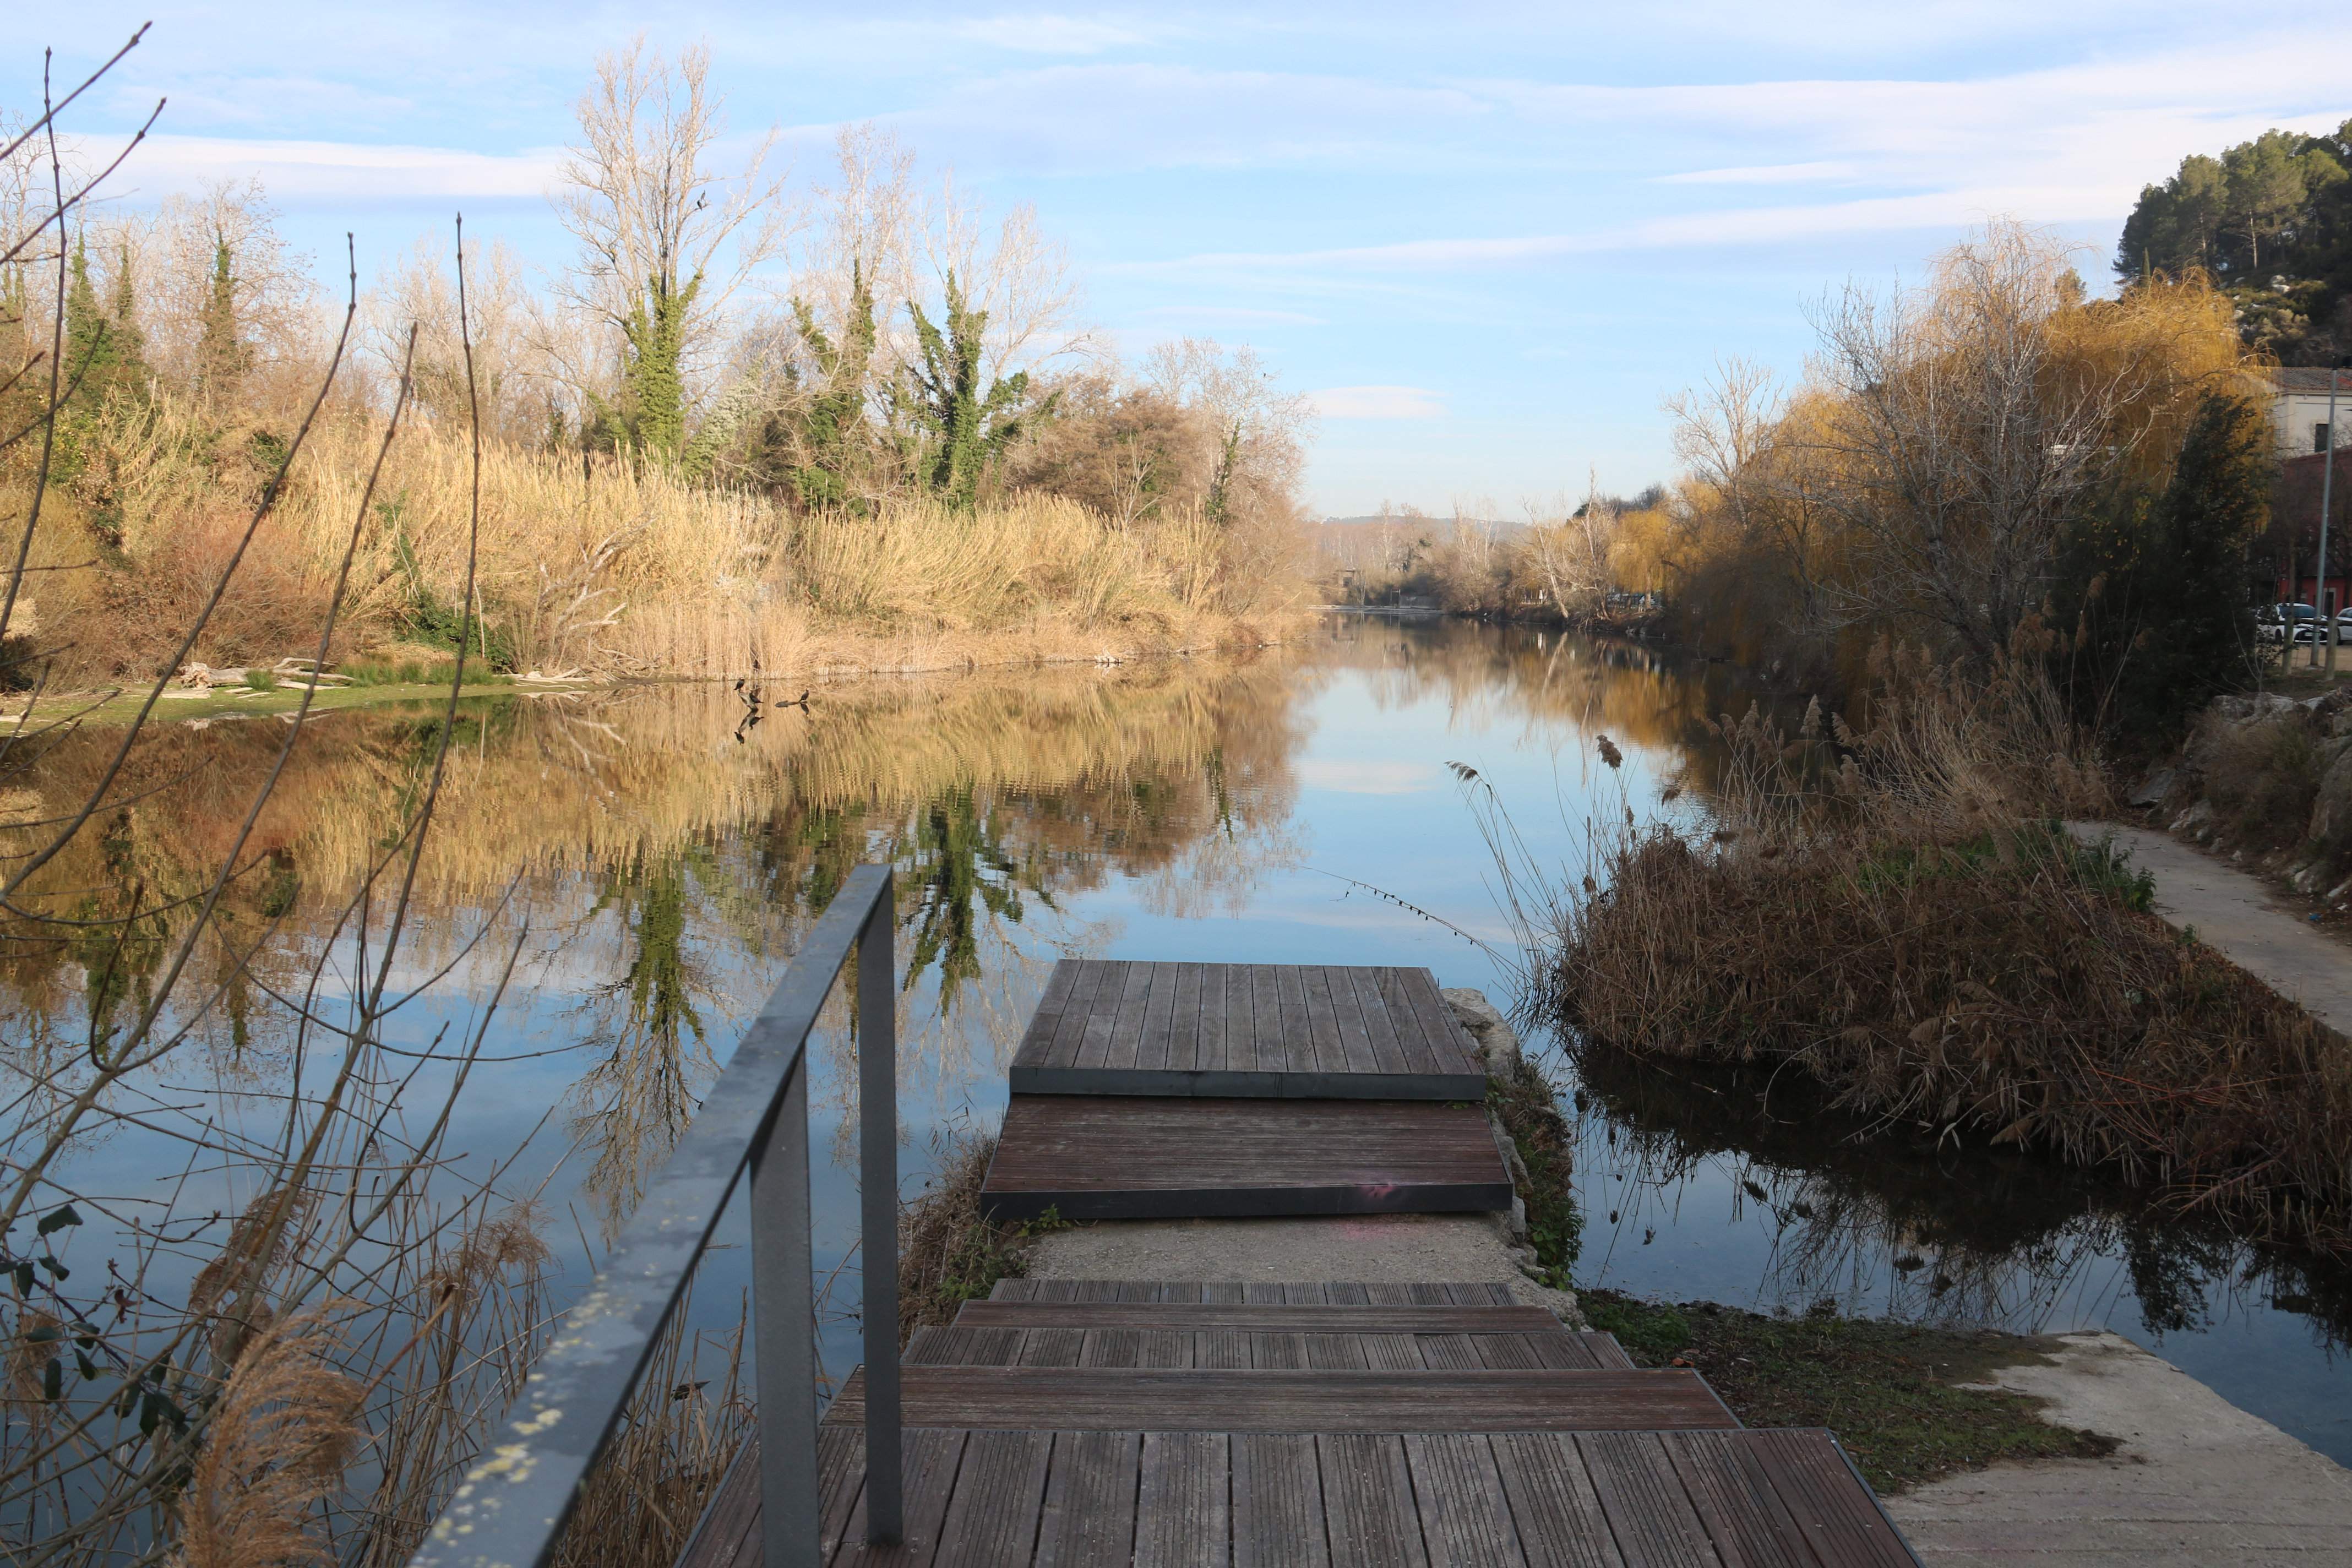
(660,870)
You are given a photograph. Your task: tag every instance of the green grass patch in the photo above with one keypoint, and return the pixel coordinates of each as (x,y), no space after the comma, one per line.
(1888,1390)
(1527,1102)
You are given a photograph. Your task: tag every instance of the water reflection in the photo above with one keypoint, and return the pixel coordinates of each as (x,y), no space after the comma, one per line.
(1793,1205)
(658,872)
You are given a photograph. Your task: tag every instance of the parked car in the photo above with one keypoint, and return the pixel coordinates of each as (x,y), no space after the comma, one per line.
(2297,623)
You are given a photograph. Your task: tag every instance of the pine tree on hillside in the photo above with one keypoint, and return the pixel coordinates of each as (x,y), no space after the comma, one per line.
(2270,220)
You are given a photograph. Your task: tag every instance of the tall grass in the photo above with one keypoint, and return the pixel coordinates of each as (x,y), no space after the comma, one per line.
(614,567)
(1895,913)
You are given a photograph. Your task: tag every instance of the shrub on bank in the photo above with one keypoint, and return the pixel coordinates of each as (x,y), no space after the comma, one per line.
(1914,939)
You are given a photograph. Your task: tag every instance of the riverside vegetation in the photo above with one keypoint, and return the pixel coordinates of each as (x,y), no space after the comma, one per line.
(753,427)
(289,1352)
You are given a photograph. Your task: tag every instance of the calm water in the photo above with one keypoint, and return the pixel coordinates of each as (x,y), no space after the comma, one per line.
(655,864)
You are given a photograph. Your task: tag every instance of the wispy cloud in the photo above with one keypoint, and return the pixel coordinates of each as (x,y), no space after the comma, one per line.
(305,172)
(1052,34)
(1377,403)
(1765,174)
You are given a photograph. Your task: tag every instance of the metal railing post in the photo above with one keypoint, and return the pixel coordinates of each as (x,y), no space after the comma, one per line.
(877,1182)
(783,1286)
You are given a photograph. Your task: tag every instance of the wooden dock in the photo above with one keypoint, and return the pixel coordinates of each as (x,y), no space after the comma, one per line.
(1222,1090)
(1228,1030)
(1143,1423)
(1079,1424)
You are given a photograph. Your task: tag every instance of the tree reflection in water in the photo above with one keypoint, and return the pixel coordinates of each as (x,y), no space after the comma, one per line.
(1887,1221)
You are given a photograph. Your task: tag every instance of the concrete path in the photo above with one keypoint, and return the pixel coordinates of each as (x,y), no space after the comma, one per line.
(2239,915)
(2197,1481)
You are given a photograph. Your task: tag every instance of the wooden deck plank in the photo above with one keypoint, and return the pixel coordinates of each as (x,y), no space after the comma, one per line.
(1348,1018)
(1560,1524)
(999,1490)
(1235,1028)
(1183,1042)
(1442,1037)
(1750,1526)
(1151,1050)
(1649,1513)
(1277,1502)
(1270,1044)
(1322,1021)
(1127,1026)
(932,1459)
(1182,1501)
(1350,1317)
(1418,1050)
(1088,1517)
(1466,1521)
(1367,1506)
(1108,1158)
(1277,1400)
(1037,1039)
(1070,1035)
(1812,1474)
(1094,1025)
(1388,1052)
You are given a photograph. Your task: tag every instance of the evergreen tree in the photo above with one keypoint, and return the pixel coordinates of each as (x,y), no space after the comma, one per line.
(835,433)
(649,418)
(222,356)
(2266,189)
(105,352)
(2153,598)
(960,429)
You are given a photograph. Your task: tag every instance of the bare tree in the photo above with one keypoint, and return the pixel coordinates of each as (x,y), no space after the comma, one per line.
(420,289)
(1959,440)
(666,241)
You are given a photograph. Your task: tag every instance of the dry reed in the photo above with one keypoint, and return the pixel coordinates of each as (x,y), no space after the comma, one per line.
(611,567)
(1898,916)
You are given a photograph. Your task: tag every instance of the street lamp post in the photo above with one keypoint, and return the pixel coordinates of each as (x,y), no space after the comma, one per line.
(2326,495)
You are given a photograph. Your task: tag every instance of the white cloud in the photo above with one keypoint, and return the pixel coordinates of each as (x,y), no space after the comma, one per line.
(1229,315)
(1377,403)
(1765,174)
(307,172)
(1051,35)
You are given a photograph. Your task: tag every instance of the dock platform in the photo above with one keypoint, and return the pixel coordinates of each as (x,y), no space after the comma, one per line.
(1231,1030)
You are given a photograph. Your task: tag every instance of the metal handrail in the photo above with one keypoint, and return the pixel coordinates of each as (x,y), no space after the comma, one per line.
(510,1510)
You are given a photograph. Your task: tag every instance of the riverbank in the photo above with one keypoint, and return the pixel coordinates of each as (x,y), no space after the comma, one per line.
(2192,1480)
(121,705)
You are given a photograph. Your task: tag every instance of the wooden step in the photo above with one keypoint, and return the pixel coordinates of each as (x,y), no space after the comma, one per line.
(1224,1030)
(1296,1292)
(967,1345)
(1096,1158)
(1295,1317)
(1039,1398)
(1112,1499)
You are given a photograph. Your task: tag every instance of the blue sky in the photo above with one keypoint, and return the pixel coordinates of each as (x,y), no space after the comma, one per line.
(1490,239)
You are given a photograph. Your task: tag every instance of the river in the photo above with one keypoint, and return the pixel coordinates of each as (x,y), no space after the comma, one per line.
(647,860)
